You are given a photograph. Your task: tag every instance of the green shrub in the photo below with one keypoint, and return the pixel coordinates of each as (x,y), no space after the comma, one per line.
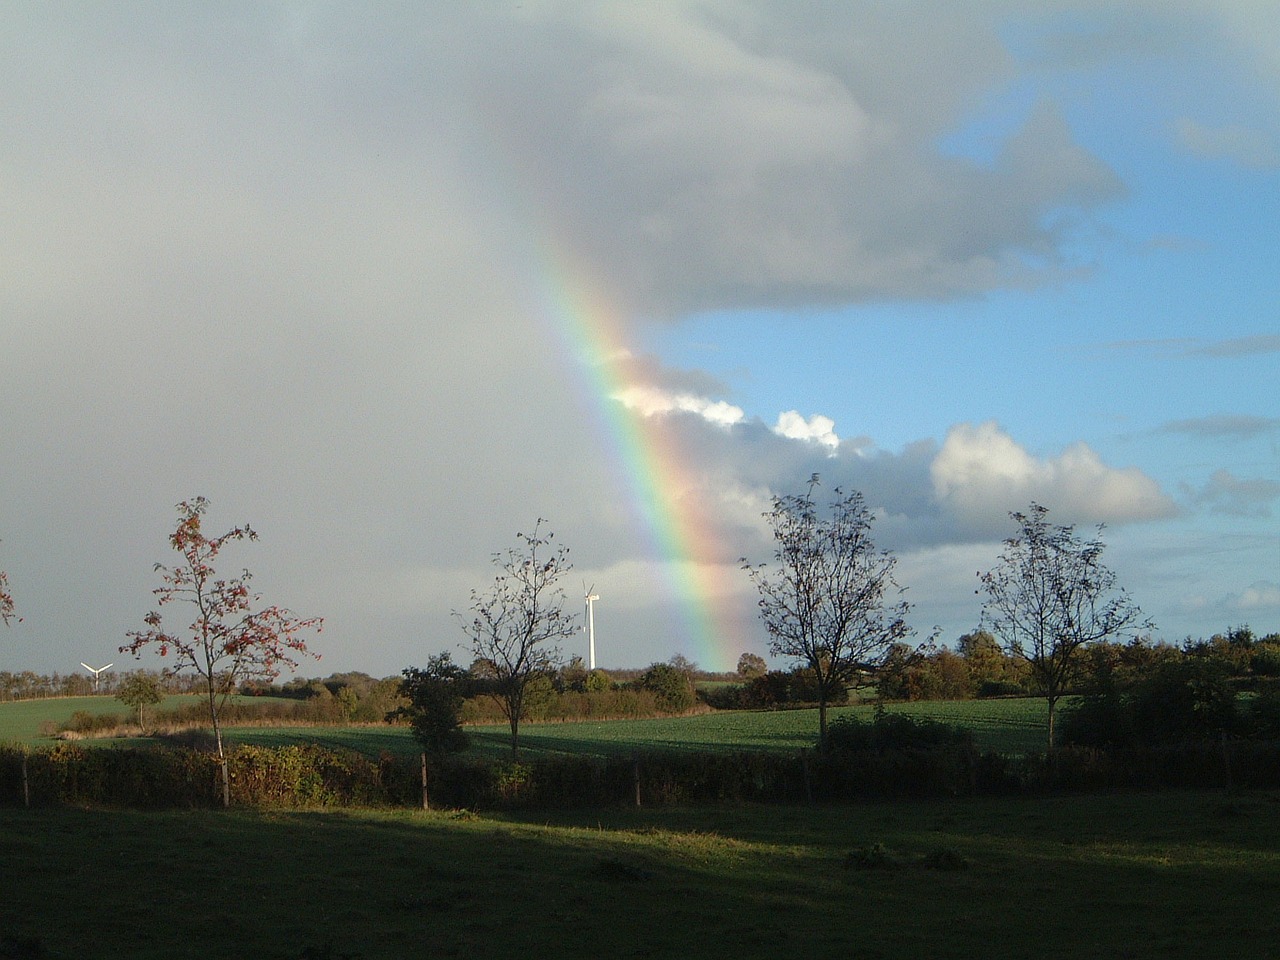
(894,731)
(671,687)
(1001,688)
(1265,660)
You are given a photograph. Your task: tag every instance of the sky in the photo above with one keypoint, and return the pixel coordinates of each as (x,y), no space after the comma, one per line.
(396,282)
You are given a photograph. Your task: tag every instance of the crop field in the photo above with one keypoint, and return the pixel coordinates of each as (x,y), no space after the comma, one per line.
(1170,875)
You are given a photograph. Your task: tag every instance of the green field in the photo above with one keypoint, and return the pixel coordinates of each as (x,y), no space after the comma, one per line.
(1007,726)
(1136,876)
(21,720)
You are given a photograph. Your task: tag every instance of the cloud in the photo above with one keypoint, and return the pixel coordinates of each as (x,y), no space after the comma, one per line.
(1264,595)
(1243,145)
(1223,426)
(1256,345)
(652,401)
(1182,347)
(981,470)
(712,157)
(1235,496)
(817,428)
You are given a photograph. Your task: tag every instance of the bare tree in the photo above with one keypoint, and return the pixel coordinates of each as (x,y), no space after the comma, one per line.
(231,639)
(513,626)
(1049,596)
(828,602)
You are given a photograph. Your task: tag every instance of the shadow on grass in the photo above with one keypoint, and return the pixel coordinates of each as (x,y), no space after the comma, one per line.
(1136,876)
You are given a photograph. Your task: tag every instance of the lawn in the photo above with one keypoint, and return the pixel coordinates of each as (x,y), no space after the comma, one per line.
(1176,875)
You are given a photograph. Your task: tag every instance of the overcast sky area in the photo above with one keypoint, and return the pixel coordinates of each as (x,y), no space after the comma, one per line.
(390,282)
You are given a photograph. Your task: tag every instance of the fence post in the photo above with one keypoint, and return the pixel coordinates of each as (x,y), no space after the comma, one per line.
(26,783)
(635,775)
(808,778)
(426,805)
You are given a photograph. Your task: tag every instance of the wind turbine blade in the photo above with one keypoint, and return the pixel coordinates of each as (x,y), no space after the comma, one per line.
(86,666)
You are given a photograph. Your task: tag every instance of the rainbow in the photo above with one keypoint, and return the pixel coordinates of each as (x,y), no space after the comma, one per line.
(664,496)
(701,578)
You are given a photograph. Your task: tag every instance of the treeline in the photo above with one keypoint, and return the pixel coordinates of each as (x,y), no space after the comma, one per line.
(979,667)
(27,685)
(569,693)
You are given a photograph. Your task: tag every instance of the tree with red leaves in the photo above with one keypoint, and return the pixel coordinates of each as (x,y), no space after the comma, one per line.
(6,600)
(230,640)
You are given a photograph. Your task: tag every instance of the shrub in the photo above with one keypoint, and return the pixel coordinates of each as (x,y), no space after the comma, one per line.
(671,686)
(893,731)
(1001,688)
(1265,660)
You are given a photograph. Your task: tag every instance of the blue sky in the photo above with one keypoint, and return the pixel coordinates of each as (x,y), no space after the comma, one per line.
(959,256)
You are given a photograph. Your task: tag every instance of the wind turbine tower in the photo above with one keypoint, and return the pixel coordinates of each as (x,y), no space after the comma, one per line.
(591,599)
(95,671)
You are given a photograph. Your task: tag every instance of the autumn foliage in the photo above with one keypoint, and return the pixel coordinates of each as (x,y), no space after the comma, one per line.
(6,599)
(231,638)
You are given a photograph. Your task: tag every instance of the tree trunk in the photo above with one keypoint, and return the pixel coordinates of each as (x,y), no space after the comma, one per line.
(1053,704)
(822,718)
(515,736)
(222,757)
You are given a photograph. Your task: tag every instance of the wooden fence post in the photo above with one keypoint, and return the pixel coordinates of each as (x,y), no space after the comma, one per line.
(26,783)
(808,777)
(426,805)
(635,776)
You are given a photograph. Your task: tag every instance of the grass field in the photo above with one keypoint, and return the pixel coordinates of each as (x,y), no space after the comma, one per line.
(1008,726)
(1178,875)
(21,720)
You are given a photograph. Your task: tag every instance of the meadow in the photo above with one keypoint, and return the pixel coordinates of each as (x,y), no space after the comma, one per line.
(1171,875)
(1012,726)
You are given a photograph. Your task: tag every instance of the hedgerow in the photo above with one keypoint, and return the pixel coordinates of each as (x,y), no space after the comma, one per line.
(312,776)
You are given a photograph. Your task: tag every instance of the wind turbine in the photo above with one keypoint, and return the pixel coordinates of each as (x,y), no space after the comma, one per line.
(590,624)
(95,671)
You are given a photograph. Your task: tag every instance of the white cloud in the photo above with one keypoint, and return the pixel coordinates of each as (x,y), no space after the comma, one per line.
(654,401)
(817,428)
(1261,596)
(981,473)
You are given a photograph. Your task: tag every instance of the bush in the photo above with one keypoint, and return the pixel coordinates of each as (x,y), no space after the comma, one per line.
(1265,660)
(1001,688)
(671,686)
(893,731)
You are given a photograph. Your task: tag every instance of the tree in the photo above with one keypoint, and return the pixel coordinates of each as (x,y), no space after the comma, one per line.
(752,665)
(827,603)
(671,687)
(140,690)
(231,639)
(512,627)
(1050,595)
(435,696)
(6,600)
